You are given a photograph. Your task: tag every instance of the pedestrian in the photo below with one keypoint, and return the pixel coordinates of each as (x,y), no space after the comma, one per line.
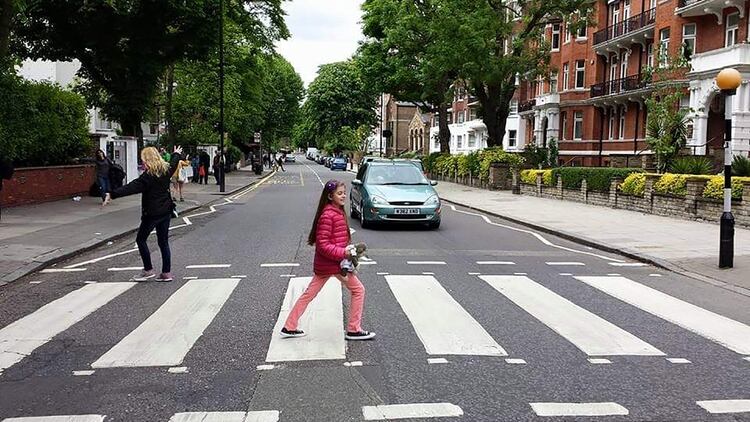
(330,236)
(179,177)
(217,168)
(6,172)
(157,208)
(103,165)
(205,163)
(165,155)
(280,162)
(195,164)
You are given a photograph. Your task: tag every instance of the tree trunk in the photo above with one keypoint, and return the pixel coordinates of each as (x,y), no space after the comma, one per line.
(171,132)
(444,134)
(131,126)
(7,10)
(495,100)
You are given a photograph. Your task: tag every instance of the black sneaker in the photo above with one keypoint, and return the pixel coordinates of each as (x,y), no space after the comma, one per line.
(360,335)
(291,333)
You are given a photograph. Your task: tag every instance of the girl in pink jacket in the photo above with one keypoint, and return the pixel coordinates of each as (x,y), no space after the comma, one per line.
(330,235)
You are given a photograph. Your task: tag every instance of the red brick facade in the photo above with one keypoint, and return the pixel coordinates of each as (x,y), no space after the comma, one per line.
(41,184)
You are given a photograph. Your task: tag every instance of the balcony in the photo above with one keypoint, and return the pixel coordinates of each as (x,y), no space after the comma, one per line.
(547,100)
(711,62)
(688,8)
(636,29)
(526,106)
(617,87)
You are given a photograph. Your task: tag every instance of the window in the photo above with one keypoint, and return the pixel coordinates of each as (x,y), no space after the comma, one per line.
(539,86)
(650,55)
(621,129)
(624,64)
(472,114)
(732,30)
(153,128)
(437,142)
(513,106)
(612,67)
(626,10)
(580,73)
(472,140)
(553,83)
(611,124)
(511,138)
(450,118)
(581,32)
(555,37)
(664,47)
(461,116)
(578,125)
(459,141)
(688,40)
(567,34)
(564,125)
(566,77)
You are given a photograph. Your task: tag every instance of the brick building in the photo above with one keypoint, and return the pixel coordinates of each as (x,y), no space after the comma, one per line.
(397,116)
(593,102)
(419,132)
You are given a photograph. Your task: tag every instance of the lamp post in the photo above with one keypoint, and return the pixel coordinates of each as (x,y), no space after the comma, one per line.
(727,80)
(222,186)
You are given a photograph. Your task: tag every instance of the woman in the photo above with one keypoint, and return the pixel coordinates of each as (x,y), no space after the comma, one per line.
(156,208)
(180,177)
(103,164)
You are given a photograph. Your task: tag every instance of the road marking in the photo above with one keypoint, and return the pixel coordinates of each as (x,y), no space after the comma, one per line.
(613,274)
(301,179)
(187,221)
(178,370)
(253,187)
(83,373)
(239,276)
(168,334)
(566,264)
(437,360)
(265,367)
(725,406)
(101,258)
(565,274)
(515,361)
(90,282)
(413,410)
(678,360)
(599,361)
(519,274)
(425,262)
(579,409)
(747,358)
(321,322)
(288,275)
(190,267)
(627,264)
(22,337)
(190,278)
(427,273)
(381,273)
(61,418)
(654,275)
(441,323)
(727,332)
(257,416)
(63,270)
(35,282)
(368,262)
(475,273)
(279,264)
(125,269)
(590,333)
(495,263)
(355,363)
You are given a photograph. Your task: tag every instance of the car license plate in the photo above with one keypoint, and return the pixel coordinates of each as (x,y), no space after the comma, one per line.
(407,210)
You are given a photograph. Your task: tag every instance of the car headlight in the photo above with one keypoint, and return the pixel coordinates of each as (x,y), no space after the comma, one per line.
(433,200)
(376,200)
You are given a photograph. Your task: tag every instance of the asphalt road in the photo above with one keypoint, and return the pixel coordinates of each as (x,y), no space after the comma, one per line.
(500,308)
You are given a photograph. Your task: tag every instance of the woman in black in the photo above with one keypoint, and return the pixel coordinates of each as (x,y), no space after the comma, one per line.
(103,165)
(156,208)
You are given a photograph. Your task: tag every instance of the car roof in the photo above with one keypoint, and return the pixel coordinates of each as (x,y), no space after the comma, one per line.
(380,163)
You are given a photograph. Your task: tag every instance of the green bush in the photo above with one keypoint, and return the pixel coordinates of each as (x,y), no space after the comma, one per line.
(597,178)
(715,187)
(41,124)
(673,184)
(529,176)
(497,155)
(634,184)
(692,165)
(469,164)
(741,166)
(429,162)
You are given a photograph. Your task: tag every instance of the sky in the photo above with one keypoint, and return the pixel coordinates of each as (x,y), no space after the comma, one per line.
(322,31)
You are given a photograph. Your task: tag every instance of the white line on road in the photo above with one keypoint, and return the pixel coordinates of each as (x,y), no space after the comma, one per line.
(354,363)
(84,373)
(566,264)
(382,273)
(589,332)
(599,361)
(321,322)
(265,367)
(239,276)
(725,406)
(63,270)
(168,334)
(565,274)
(190,267)
(441,323)
(437,360)
(60,418)
(495,263)
(627,264)
(278,264)
(287,275)
(409,411)
(35,282)
(178,370)
(190,278)
(425,262)
(747,358)
(579,409)
(727,332)
(654,275)
(124,269)
(257,416)
(23,336)
(101,258)
(368,262)
(475,273)
(519,274)
(515,361)
(678,360)
(427,273)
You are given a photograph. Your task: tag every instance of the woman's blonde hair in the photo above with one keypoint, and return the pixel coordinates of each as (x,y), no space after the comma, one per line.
(155,165)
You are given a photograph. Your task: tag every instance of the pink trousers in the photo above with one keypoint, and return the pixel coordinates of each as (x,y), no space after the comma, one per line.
(355,312)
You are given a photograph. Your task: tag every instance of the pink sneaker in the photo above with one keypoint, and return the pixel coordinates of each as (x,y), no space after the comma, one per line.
(164,277)
(145,275)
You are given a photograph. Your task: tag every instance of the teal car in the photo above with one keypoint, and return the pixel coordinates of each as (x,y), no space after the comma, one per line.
(393,192)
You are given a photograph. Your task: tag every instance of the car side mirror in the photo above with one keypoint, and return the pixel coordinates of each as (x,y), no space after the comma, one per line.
(357,182)
(433,182)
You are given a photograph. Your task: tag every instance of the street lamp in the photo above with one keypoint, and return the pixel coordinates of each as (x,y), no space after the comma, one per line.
(222,186)
(727,80)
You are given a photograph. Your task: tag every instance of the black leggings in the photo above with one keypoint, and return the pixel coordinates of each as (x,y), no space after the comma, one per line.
(161,224)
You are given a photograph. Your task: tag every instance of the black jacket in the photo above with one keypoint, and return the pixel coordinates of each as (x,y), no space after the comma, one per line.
(156,200)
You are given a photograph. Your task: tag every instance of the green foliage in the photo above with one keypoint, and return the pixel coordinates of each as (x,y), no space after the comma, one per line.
(41,124)
(429,161)
(553,153)
(672,184)
(692,165)
(634,184)
(715,187)
(741,166)
(234,154)
(469,164)
(536,156)
(529,176)
(497,155)
(598,179)
(408,155)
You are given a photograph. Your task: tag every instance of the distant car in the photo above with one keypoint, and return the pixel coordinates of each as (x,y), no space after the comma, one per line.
(338,164)
(394,191)
(290,158)
(328,162)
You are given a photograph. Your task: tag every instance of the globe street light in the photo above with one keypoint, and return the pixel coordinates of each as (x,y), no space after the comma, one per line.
(728,80)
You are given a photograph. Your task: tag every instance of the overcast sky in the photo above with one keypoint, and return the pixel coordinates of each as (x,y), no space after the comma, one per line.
(323,31)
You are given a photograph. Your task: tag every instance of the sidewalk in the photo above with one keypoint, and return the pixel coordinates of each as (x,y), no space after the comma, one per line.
(38,235)
(687,247)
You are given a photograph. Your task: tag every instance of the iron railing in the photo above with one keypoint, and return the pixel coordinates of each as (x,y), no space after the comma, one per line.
(526,105)
(617,86)
(685,3)
(627,26)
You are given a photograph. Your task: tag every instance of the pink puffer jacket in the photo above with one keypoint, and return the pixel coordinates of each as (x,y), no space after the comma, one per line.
(331,239)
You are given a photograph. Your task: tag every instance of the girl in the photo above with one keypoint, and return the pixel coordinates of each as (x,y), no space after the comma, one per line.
(330,235)
(156,208)
(180,177)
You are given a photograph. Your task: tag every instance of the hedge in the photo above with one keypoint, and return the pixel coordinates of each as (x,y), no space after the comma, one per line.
(597,178)
(634,184)
(715,187)
(673,184)
(477,162)
(529,176)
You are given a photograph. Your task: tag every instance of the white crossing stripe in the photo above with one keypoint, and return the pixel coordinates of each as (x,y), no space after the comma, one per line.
(124,269)
(495,263)
(322,322)
(425,262)
(678,360)
(441,323)
(727,332)
(579,264)
(279,264)
(579,409)
(83,373)
(63,270)
(23,336)
(725,406)
(627,264)
(437,360)
(60,418)
(258,416)
(208,266)
(599,361)
(168,334)
(590,333)
(413,410)
(515,361)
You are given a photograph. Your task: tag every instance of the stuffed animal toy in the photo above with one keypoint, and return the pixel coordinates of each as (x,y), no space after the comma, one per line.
(351,265)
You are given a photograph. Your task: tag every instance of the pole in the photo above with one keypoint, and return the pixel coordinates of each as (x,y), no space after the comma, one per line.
(726,232)
(381,124)
(222,186)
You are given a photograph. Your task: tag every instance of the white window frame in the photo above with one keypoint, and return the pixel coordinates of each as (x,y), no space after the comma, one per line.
(459,141)
(566,76)
(577,125)
(624,64)
(611,129)
(555,36)
(664,46)
(512,137)
(689,39)
(566,30)
(650,55)
(472,142)
(731,32)
(461,117)
(563,125)
(582,33)
(582,71)
(553,83)
(513,106)
(626,10)
(621,127)
(613,67)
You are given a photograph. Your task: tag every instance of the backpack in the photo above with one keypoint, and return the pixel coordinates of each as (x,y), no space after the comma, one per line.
(116,175)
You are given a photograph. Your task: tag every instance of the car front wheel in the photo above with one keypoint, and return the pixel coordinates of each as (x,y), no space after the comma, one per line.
(362,221)
(434,224)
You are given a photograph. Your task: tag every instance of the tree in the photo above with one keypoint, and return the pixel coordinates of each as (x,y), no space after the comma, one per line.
(125,47)
(283,91)
(409,53)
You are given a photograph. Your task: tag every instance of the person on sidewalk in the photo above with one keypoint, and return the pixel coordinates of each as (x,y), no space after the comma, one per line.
(217,168)
(205,164)
(179,178)
(156,209)
(6,172)
(280,161)
(103,165)
(330,235)
(195,162)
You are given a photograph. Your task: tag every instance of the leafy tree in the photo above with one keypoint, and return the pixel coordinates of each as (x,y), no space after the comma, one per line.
(283,90)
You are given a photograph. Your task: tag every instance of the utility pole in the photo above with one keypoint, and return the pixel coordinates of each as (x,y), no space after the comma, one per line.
(222,187)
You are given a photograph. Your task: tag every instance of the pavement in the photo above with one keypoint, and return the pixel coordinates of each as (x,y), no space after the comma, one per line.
(35,236)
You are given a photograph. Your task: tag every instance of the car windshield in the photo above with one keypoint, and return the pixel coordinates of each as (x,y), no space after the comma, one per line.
(395,175)
(339,160)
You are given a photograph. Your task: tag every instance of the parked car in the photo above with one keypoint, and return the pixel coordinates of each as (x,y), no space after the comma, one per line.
(290,158)
(394,191)
(338,164)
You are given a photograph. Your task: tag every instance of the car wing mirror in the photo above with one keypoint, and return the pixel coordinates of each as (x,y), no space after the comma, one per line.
(433,182)
(357,182)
